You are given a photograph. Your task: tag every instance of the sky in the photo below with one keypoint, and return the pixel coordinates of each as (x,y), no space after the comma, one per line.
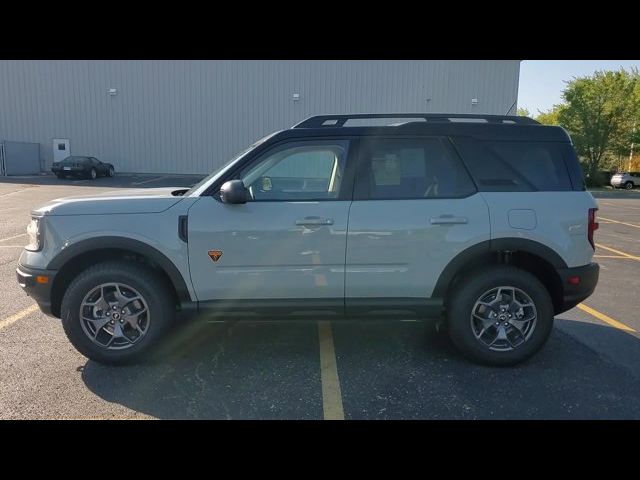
(542,81)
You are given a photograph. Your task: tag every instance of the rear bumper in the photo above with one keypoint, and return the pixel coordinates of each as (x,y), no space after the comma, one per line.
(62,170)
(40,292)
(574,294)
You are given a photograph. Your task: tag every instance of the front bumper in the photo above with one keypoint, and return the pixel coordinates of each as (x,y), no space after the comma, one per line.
(40,291)
(574,294)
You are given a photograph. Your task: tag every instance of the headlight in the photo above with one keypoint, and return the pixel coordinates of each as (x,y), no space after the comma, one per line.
(35,235)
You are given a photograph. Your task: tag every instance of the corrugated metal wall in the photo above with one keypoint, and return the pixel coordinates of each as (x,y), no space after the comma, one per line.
(191,116)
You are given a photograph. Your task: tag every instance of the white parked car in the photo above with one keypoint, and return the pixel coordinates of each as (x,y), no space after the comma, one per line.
(627,180)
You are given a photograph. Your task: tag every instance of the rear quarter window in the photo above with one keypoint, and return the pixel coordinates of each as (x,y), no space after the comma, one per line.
(503,166)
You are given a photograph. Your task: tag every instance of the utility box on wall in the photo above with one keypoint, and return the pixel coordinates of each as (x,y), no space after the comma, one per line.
(19,158)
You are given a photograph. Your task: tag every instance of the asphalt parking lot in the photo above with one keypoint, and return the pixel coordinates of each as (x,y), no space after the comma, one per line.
(590,368)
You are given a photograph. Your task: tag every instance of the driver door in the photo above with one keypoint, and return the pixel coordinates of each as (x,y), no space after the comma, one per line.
(99,166)
(284,248)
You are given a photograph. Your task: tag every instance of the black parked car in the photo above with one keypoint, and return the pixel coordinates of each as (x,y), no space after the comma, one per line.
(89,167)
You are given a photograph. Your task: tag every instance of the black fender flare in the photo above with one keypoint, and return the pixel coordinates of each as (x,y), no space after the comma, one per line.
(484,249)
(129,244)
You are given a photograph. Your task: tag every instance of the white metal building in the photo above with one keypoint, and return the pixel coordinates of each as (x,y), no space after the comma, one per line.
(191,116)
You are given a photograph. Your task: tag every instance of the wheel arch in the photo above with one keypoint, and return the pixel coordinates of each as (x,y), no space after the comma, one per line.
(73,259)
(532,256)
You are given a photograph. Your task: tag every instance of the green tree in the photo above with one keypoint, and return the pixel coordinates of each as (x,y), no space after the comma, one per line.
(550,117)
(523,112)
(599,113)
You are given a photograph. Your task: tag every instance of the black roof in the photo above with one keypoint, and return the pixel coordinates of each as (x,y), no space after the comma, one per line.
(340,120)
(482,127)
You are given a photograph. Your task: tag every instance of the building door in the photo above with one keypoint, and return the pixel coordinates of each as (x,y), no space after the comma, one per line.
(60,149)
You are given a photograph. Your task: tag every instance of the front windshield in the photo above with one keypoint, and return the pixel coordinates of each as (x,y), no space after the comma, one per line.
(199,187)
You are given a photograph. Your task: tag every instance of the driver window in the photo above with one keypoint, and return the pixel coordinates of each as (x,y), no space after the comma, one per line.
(300,171)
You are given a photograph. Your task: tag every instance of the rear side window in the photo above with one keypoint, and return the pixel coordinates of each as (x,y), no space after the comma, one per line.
(515,166)
(410,168)
(539,163)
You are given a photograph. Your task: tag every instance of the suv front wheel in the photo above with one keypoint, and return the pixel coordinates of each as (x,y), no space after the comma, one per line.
(500,315)
(628,185)
(114,312)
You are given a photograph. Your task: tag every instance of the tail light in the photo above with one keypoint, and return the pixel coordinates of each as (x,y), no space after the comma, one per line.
(593,226)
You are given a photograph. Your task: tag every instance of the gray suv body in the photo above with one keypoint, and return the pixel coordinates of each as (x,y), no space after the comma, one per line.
(481,221)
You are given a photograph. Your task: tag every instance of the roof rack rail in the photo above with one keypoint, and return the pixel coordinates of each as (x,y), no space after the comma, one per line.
(318,121)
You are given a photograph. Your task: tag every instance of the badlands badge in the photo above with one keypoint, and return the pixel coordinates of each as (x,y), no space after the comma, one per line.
(215,255)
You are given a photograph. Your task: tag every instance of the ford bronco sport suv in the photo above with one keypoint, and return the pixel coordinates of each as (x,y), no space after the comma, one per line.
(482,222)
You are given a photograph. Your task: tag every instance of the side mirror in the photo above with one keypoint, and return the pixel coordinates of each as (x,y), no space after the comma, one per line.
(234,191)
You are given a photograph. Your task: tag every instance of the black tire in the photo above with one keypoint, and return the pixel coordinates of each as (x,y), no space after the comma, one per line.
(461,302)
(111,172)
(61,175)
(146,281)
(628,185)
(93,174)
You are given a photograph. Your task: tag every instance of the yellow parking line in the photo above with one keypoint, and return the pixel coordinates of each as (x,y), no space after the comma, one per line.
(605,318)
(331,394)
(17,316)
(634,257)
(620,206)
(11,238)
(617,221)
(148,181)
(610,256)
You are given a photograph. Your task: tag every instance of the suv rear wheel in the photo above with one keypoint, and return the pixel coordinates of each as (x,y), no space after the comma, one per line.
(114,312)
(500,316)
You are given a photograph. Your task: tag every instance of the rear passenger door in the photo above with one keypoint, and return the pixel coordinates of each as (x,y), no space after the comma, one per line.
(415,208)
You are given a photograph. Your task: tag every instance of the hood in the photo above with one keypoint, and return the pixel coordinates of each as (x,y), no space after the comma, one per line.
(139,200)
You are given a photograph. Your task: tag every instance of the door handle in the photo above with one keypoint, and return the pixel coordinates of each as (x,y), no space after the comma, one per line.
(448,220)
(314,221)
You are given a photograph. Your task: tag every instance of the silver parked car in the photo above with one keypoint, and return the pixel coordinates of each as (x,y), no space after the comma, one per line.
(626,180)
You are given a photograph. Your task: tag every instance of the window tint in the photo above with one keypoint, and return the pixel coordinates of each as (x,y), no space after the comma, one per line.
(300,171)
(515,166)
(539,163)
(411,168)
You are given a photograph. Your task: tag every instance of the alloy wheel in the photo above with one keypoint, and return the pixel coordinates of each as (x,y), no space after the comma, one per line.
(114,316)
(503,318)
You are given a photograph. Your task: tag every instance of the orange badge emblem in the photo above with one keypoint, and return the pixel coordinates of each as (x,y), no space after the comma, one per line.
(215,255)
